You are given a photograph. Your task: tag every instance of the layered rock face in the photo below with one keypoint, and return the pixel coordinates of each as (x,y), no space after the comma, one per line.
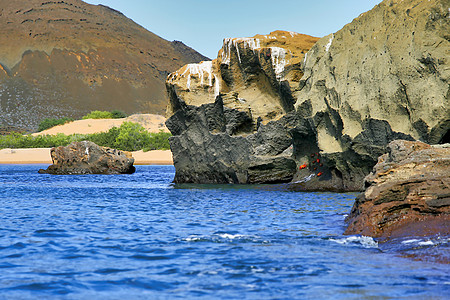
(80,158)
(67,58)
(383,77)
(407,194)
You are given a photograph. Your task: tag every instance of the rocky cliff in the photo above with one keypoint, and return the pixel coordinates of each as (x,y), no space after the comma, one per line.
(222,111)
(66,58)
(330,111)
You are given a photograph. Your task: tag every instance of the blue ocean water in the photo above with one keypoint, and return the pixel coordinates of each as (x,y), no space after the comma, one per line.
(141,237)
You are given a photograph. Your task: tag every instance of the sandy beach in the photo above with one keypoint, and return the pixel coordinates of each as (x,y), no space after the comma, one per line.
(152,123)
(42,156)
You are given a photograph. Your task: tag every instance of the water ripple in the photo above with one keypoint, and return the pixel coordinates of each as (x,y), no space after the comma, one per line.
(141,237)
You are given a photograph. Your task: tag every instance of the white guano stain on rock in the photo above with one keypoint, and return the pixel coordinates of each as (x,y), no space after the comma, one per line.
(330,42)
(216,86)
(228,43)
(198,69)
(279,62)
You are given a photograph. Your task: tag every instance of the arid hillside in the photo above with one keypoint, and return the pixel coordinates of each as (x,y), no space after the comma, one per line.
(66,58)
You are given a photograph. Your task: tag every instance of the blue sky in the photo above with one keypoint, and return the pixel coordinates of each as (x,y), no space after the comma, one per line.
(203,24)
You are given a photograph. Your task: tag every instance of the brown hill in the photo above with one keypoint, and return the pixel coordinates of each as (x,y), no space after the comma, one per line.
(66,58)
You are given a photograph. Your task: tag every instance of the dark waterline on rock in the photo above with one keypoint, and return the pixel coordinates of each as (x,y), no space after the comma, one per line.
(139,236)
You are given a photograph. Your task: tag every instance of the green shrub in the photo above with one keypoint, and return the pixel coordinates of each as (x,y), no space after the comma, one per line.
(97,114)
(158,141)
(118,114)
(50,122)
(132,137)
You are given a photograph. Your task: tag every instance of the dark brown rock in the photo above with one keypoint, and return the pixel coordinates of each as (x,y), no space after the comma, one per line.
(407,194)
(81,158)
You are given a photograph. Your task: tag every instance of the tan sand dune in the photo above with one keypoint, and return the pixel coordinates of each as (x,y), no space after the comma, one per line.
(42,156)
(153,123)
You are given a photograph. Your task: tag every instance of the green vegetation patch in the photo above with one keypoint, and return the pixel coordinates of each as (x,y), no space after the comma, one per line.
(50,122)
(128,137)
(97,114)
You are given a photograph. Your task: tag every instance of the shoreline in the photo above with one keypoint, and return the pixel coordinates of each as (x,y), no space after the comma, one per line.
(42,156)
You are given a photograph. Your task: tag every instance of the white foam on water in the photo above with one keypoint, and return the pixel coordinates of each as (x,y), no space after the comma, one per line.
(365,241)
(232,236)
(426,243)
(410,241)
(219,236)
(193,238)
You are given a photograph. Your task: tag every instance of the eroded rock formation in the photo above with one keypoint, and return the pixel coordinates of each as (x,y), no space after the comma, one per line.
(407,194)
(254,74)
(67,58)
(80,158)
(222,111)
(206,151)
(383,77)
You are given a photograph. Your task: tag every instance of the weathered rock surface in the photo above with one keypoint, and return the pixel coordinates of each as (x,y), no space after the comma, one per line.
(67,58)
(222,111)
(205,152)
(81,158)
(391,63)
(253,74)
(407,194)
(383,77)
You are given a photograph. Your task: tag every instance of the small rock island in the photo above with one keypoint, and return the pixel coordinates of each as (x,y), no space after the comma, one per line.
(81,158)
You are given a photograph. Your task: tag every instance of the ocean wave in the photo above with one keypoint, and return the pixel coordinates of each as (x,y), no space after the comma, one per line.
(223,238)
(364,241)
(434,241)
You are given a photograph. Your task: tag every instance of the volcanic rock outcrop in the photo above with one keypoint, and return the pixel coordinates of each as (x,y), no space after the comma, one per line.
(218,106)
(383,77)
(407,194)
(80,158)
(66,58)
(254,74)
